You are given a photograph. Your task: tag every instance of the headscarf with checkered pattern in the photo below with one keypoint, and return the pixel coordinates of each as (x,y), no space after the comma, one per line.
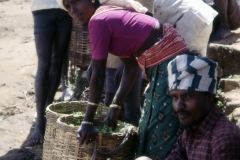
(194,73)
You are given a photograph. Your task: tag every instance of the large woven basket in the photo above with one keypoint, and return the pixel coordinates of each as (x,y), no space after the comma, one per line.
(53,112)
(114,146)
(79,52)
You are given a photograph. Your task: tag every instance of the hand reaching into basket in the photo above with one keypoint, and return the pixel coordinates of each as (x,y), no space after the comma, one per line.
(86,133)
(112,117)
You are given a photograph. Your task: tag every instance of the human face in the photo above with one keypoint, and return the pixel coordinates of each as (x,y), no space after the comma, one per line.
(191,106)
(80,10)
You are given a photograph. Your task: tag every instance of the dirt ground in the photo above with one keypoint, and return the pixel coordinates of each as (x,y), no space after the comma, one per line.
(18,64)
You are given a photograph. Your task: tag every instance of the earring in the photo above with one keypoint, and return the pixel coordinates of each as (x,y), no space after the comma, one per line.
(93,1)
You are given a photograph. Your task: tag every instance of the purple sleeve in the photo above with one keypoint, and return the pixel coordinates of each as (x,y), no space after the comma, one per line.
(179,153)
(100,36)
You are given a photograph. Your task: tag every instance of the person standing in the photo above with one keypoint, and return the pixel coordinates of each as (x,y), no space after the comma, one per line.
(52,28)
(228,17)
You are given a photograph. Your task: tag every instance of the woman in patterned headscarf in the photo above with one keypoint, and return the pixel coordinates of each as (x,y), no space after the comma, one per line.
(139,40)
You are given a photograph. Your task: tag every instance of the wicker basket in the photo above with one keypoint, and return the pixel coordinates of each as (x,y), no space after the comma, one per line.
(53,112)
(79,52)
(116,146)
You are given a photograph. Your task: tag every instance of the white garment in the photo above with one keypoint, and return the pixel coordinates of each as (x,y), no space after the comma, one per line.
(189,17)
(209,2)
(44,4)
(113,61)
(120,3)
(200,42)
(125,4)
(148,4)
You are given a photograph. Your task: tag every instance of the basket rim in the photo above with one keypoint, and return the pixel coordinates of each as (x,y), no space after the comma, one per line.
(54,115)
(66,125)
(50,111)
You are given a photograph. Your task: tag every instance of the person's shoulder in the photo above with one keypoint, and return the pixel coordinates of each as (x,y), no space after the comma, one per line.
(225,140)
(103,16)
(97,21)
(225,129)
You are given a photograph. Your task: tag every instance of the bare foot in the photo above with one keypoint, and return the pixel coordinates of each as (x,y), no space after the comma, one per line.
(220,33)
(38,133)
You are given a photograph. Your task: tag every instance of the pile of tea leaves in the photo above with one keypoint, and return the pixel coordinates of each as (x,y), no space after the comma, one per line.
(83,114)
(102,128)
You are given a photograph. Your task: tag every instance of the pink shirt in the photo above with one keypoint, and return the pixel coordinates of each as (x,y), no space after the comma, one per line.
(119,32)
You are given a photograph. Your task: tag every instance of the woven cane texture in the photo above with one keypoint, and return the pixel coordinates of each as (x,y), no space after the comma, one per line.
(53,112)
(67,148)
(79,52)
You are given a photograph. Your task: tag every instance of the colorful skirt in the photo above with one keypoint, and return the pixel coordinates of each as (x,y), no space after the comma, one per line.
(159,125)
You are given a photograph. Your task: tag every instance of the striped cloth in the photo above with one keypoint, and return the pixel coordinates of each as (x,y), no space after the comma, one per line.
(189,72)
(170,45)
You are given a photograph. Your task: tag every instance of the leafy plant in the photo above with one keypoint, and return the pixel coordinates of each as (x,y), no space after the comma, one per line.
(102,128)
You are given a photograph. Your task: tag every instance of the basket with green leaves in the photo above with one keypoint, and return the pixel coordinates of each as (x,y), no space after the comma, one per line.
(54,111)
(117,145)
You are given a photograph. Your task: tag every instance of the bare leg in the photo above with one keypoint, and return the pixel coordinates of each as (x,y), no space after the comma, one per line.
(44,44)
(223,29)
(48,75)
(60,48)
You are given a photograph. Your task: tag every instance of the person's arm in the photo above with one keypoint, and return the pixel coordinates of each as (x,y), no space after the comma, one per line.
(86,131)
(226,147)
(119,73)
(179,153)
(100,38)
(96,87)
(129,76)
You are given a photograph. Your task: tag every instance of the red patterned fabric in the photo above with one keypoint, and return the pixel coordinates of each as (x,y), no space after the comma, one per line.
(169,46)
(215,139)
